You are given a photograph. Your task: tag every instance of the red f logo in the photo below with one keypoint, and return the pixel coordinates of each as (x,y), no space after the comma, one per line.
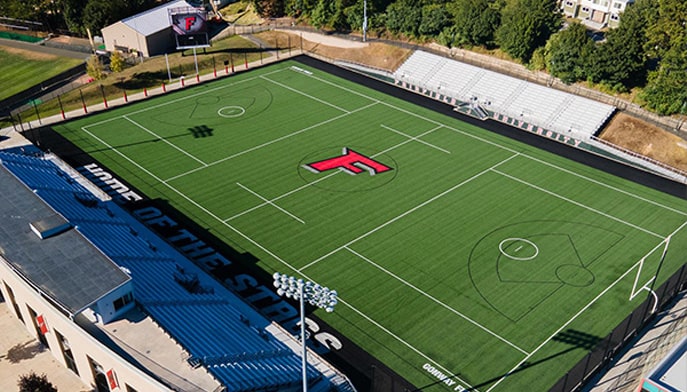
(350,162)
(189,22)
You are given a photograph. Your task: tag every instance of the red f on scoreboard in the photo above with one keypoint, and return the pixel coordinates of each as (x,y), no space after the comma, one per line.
(350,162)
(189,20)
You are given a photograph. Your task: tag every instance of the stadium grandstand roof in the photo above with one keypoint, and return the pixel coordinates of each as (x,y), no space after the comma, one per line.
(65,267)
(154,19)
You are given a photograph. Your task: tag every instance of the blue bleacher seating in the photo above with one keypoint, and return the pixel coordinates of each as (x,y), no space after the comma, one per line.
(206,323)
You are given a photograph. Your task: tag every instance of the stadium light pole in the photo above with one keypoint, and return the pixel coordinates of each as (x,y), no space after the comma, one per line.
(364,20)
(315,295)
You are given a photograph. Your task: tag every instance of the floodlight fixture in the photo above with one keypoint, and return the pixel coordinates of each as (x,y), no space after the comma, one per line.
(305,291)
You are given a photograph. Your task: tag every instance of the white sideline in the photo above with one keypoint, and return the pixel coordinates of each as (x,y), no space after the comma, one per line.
(418,352)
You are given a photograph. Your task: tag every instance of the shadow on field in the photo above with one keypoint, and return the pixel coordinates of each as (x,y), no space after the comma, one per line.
(576,340)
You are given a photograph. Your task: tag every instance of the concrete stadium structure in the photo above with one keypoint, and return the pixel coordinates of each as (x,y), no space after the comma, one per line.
(119,306)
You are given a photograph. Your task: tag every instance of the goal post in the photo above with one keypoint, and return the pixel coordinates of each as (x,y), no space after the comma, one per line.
(641,276)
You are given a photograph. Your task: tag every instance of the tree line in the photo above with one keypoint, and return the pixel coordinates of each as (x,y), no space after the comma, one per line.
(647,51)
(76,16)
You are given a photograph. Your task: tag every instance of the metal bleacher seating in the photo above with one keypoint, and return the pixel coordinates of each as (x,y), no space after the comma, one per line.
(501,94)
(192,308)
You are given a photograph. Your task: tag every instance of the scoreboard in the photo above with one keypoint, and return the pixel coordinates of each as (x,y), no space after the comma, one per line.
(190,27)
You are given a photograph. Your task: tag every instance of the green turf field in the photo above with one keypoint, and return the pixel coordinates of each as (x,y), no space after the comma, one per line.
(465,253)
(19,72)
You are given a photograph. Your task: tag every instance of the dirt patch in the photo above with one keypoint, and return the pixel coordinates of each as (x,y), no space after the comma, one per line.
(28,54)
(647,139)
(375,54)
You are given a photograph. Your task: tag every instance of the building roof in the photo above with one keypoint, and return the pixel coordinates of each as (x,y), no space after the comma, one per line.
(154,19)
(671,373)
(65,267)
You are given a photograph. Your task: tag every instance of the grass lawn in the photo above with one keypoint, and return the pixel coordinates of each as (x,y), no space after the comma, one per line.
(452,248)
(21,69)
(153,72)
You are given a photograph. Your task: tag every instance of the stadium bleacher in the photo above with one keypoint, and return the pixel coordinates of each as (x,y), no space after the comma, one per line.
(500,94)
(204,320)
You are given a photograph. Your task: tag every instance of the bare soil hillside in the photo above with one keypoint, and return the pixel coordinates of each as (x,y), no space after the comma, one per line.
(647,139)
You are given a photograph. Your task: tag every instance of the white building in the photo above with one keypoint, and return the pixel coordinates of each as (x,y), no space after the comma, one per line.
(148,33)
(598,13)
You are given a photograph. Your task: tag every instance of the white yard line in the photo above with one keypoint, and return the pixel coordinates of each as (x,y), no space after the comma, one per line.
(270,203)
(320,179)
(266,202)
(165,141)
(417,139)
(392,220)
(578,204)
(582,310)
(454,311)
(254,148)
(297,91)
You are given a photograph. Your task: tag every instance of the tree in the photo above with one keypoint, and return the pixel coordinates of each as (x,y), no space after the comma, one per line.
(269,8)
(34,383)
(621,62)
(299,8)
(475,21)
(527,25)
(117,62)
(323,13)
(404,17)
(666,41)
(665,93)
(434,19)
(567,53)
(94,67)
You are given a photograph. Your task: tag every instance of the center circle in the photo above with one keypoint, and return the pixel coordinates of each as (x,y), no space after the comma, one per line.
(519,249)
(231,111)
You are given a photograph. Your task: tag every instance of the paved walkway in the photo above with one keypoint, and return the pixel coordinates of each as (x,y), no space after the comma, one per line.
(43,49)
(21,354)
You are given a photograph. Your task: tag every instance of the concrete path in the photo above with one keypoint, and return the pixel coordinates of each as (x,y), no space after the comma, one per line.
(21,354)
(43,49)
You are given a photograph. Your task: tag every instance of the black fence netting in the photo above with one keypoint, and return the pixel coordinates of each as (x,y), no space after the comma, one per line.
(622,334)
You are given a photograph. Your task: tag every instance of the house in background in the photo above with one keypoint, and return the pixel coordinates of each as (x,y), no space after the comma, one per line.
(596,14)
